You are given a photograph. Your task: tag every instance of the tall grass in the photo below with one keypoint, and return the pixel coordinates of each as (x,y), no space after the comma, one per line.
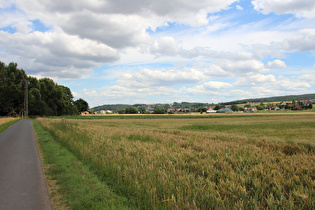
(200,163)
(77,186)
(4,120)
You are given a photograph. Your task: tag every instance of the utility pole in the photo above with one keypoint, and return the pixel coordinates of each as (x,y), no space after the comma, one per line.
(26,100)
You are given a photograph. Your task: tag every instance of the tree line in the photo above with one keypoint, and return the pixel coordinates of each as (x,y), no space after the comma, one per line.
(273,99)
(45,97)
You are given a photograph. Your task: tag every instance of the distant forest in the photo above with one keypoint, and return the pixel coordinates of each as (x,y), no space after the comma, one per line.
(45,97)
(176,105)
(273,99)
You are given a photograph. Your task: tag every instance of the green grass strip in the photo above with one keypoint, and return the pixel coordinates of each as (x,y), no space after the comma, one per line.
(5,126)
(79,187)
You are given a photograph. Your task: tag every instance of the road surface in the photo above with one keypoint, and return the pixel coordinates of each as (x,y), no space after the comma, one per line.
(22,183)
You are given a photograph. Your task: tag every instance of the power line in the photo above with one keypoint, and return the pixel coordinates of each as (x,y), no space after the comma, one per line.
(26,100)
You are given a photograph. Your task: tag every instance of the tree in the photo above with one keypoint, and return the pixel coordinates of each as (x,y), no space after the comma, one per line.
(35,102)
(131,110)
(81,105)
(260,107)
(166,106)
(45,97)
(142,110)
(159,111)
(234,107)
(219,106)
(12,81)
(122,111)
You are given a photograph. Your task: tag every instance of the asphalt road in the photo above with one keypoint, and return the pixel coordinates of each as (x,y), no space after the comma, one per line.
(22,183)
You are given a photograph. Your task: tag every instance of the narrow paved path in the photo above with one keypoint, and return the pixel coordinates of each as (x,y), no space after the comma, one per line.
(22,183)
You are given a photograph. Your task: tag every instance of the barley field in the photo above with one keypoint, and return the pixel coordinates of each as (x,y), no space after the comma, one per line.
(254,162)
(4,120)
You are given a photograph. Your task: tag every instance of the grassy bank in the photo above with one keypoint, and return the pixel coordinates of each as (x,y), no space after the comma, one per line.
(72,184)
(230,162)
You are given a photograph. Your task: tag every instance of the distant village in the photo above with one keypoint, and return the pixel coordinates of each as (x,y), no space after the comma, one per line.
(218,108)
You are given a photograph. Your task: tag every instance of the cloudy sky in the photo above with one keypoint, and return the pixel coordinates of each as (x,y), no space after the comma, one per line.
(149,51)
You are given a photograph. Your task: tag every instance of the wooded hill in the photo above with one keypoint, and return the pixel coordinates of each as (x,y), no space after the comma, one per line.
(45,97)
(195,105)
(273,99)
(176,105)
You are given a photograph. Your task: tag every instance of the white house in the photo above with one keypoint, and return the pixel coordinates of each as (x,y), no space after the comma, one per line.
(210,110)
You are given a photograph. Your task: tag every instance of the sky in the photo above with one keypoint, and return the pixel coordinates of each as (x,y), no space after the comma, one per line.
(148,51)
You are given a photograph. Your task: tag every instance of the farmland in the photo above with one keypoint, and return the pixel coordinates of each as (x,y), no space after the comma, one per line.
(235,161)
(5,120)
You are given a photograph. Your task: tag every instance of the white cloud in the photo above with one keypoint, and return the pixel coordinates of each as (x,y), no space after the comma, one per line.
(172,77)
(276,64)
(87,33)
(182,11)
(243,67)
(119,23)
(215,70)
(300,8)
(238,7)
(129,95)
(303,41)
(232,62)
(166,46)
(290,86)
(282,87)
(24,27)
(56,54)
(9,17)
(115,30)
(307,78)
(216,85)
(255,80)
(138,43)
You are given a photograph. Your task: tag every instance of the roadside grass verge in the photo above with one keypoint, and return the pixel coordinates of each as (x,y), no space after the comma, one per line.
(5,124)
(76,186)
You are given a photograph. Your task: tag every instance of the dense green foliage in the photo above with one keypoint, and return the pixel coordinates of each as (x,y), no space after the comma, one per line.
(82,105)
(129,110)
(189,105)
(12,82)
(159,111)
(45,97)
